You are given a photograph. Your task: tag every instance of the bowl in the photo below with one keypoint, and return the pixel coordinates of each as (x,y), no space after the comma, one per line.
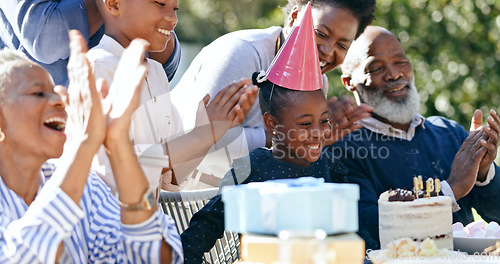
(472,245)
(381,257)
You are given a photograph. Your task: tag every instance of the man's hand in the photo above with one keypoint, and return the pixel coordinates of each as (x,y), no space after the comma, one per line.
(465,166)
(343,115)
(492,131)
(477,120)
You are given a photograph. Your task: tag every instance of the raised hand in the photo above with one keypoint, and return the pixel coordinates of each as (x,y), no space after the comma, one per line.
(229,106)
(124,93)
(246,101)
(477,120)
(465,166)
(87,121)
(344,115)
(492,131)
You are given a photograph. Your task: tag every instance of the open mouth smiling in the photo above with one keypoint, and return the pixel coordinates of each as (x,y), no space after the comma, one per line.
(165,32)
(55,123)
(396,89)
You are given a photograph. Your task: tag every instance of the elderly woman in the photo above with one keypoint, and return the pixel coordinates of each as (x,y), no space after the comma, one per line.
(73,217)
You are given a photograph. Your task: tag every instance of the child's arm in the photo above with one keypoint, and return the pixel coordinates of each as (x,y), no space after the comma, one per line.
(205,227)
(216,66)
(226,110)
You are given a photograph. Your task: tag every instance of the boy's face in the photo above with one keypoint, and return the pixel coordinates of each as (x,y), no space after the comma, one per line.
(152,20)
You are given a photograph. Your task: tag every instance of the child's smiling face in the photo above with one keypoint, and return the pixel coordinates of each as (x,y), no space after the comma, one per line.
(301,130)
(152,20)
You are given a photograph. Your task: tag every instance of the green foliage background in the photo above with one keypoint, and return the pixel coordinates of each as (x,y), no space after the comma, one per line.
(454,45)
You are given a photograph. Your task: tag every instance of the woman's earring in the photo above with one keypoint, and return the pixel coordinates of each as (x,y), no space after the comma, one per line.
(273,142)
(2,135)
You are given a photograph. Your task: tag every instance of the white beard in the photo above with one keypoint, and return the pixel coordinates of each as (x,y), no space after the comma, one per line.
(399,112)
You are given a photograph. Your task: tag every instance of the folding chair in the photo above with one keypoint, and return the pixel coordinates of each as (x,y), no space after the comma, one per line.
(182,205)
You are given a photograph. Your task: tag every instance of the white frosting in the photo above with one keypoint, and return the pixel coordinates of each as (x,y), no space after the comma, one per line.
(418,219)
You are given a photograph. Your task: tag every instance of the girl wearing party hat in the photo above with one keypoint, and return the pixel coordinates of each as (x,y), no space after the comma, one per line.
(296,114)
(238,54)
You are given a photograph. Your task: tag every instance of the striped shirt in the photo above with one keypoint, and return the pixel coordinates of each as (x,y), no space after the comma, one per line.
(91,231)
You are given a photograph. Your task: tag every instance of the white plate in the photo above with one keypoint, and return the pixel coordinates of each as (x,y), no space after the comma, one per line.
(472,245)
(381,257)
(464,260)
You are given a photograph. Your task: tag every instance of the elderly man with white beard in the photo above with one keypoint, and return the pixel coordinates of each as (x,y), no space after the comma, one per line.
(397,143)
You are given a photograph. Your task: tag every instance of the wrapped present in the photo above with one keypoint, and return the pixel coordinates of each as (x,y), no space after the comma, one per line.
(303,204)
(338,249)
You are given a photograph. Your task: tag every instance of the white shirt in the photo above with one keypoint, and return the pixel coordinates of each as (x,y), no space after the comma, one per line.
(153,123)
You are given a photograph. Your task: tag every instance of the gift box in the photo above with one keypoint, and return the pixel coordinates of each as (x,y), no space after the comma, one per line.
(303,204)
(338,249)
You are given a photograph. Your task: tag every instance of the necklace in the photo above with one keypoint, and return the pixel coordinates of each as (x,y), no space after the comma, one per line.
(149,89)
(156,111)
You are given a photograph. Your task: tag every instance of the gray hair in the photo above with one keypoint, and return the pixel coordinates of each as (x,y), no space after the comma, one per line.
(9,60)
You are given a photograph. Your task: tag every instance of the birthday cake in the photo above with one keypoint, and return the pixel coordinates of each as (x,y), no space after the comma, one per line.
(415,214)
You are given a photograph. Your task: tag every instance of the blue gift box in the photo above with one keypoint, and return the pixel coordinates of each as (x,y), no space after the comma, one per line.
(305,205)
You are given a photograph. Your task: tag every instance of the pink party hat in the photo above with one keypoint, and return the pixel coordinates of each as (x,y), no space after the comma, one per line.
(296,66)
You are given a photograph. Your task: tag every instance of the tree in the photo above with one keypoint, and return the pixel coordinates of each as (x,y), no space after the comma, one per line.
(202,21)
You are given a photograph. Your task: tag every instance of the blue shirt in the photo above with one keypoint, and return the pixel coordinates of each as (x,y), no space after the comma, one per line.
(91,230)
(207,225)
(378,162)
(39,28)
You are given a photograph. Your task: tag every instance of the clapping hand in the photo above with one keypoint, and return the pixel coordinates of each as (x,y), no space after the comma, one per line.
(465,166)
(124,94)
(492,131)
(344,115)
(86,118)
(86,122)
(229,106)
(475,156)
